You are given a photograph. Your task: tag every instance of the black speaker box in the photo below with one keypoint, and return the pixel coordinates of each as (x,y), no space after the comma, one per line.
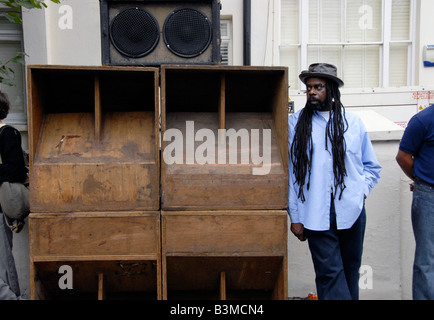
(149,33)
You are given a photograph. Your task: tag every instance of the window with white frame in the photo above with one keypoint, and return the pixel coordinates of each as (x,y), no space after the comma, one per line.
(370,41)
(226,41)
(11,42)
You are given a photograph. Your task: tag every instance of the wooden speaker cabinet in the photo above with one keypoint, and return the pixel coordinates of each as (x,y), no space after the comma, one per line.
(94,138)
(225,138)
(224,254)
(109,255)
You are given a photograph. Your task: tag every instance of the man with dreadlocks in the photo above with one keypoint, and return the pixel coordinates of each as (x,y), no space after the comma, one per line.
(332,169)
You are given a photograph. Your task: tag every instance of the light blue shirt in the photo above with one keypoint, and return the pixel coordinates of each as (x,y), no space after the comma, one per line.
(363,173)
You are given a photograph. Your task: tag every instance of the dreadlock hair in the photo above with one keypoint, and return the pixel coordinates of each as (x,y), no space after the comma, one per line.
(302,145)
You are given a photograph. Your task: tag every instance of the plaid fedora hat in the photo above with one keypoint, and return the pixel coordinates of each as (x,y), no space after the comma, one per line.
(321,70)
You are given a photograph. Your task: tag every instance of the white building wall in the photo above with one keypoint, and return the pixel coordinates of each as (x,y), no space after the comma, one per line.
(425,36)
(233,10)
(64,34)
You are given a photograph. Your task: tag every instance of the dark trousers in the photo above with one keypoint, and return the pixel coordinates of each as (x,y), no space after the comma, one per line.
(422,216)
(9,286)
(337,257)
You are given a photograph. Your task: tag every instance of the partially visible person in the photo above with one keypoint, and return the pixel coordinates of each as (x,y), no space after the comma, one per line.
(416,158)
(12,169)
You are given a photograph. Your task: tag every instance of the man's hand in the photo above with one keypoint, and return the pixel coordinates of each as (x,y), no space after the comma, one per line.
(298,230)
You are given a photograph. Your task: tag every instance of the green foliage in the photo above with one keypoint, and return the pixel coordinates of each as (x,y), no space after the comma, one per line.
(17,5)
(14,16)
(7,74)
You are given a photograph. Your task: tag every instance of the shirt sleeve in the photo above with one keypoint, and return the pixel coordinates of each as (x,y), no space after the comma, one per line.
(371,166)
(413,137)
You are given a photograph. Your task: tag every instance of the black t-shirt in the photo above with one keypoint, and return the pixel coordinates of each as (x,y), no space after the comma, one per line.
(418,140)
(12,168)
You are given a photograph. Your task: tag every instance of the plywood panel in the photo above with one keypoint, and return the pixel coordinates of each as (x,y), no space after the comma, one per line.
(223,182)
(73,172)
(126,136)
(94,187)
(94,236)
(226,233)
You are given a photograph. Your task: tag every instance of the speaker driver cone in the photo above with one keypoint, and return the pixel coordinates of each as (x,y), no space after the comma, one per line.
(134,32)
(187,32)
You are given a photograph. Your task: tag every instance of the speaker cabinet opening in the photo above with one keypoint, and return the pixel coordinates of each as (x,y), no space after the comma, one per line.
(228,118)
(94,138)
(217,255)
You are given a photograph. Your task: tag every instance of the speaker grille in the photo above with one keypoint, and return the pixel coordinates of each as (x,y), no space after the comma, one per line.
(134,32)
(187,32)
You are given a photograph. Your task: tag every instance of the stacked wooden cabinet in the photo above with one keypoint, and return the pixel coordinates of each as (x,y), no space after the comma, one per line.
(224,184)
(194,210)
(95,190)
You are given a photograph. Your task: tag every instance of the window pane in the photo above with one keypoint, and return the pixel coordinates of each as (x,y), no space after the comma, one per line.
(226,42)
(364,21)
(401,20)
(326,20)
(362,66)
(335,24)
(224,29)
(398,64)
(289,21)
(15,94)
(289,58)
(224,50)
(327,54)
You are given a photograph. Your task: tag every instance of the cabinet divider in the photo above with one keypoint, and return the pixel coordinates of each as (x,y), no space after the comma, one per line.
(222,285)
(98,111)
(222,108)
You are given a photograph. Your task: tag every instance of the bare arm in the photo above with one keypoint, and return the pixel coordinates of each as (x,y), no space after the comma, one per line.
(405,161)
